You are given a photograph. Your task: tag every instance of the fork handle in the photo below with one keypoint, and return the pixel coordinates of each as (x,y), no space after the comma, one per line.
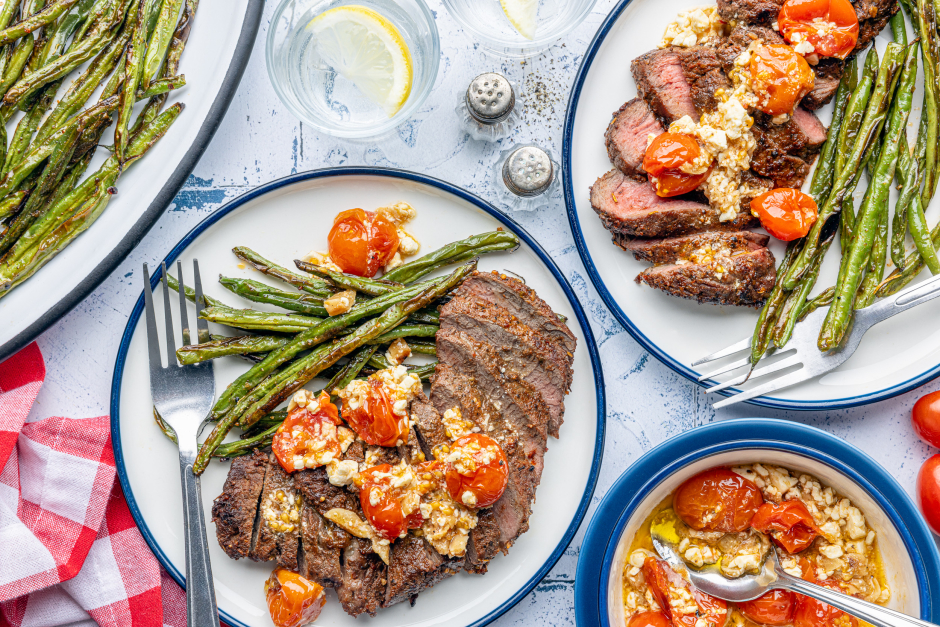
(868,612)
(201,608)
(902,301)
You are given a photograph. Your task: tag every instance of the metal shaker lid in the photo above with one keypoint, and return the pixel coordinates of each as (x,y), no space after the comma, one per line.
(490,98)
(528,171)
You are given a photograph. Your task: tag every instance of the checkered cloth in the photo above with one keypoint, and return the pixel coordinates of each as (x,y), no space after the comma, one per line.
(69,549)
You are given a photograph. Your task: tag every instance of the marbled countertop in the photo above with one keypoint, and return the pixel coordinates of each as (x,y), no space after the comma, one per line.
(259,140)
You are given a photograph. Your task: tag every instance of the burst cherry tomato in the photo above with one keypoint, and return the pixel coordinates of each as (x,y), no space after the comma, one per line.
(391,511)
(661,578)
(307,434)
(665,157)
(926,418)
(717,500)
(781,78)
(362,241)
(476,471)
(812,613)
(774,608)
(789,523)
(928,492)
(831,26)
(786,213)
(649,619)
(292,600)
(374,418)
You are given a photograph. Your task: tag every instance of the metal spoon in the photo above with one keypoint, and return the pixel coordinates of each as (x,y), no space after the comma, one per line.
(772,577)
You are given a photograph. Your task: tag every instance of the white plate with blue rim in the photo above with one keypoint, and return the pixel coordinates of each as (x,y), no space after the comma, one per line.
(284,220)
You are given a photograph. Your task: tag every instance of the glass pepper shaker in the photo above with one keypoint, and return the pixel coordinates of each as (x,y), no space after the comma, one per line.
(487,111)
(525,177)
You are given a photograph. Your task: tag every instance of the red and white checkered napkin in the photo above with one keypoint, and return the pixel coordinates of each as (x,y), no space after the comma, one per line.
(69,549)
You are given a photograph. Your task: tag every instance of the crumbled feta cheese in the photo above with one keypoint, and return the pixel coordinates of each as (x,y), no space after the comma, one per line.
(398,213)
(342,473)
(804,48)
(340,303)
(322,259)
(693,27)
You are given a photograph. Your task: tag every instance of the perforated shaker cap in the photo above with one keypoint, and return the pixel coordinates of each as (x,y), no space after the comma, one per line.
(490,98)
(528,171)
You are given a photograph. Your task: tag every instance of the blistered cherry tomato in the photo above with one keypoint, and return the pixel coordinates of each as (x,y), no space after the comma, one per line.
(781,78)
(649,619)
(476,470)
(831,26)
(391,511)
(812,613)
(362,241)
(664,159)
(374,419)
(786,213)
(660,578)
(790,524)
(306,434)
(928,492)
(717,500)
(293,600)
(926,418)
(774,608)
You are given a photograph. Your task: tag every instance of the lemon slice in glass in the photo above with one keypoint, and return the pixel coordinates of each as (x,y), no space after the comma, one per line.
(522,15)
(366,49)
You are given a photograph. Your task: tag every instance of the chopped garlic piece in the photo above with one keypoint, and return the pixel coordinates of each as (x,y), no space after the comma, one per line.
(340,303)
(398,351)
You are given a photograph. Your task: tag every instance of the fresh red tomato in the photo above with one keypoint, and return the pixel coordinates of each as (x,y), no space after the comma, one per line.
(781,78)
(361,242)
(293,600)
(928,492)
(717,500)
(774,608)
(926,418)
(660,577)
(374,419)
(812,613)
(786,213)
(391,511)
(476,470)
(664,159)
(789,523)
(830,25)
(649,619)
(307,434)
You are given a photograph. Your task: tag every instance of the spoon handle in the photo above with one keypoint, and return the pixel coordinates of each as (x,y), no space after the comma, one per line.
(868,612)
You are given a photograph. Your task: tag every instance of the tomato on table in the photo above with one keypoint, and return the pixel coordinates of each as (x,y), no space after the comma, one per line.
(928,492)
(785,213)
(665,159)
(781,78)
(831,26)
(372,414)
(649,619)
(476,470)
(774,608)
(717,500)
(660,577)
(307,435)
(293,600)
(391,511)
(926,418)
(361,242)
(790,524)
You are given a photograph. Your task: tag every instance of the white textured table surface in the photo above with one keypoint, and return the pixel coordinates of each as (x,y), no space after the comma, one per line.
(260,141)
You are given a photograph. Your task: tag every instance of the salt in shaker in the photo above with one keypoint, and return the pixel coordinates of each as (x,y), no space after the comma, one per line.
(525,176)
(487,111)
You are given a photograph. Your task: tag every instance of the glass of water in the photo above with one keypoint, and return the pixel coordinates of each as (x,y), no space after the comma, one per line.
(318,92)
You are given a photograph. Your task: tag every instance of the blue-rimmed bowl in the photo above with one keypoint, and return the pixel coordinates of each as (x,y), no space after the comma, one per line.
(909,552)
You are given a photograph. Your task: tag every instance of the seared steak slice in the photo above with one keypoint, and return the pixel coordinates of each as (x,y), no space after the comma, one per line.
(484,541)
(279,530)
(627,206)
(828,74)
(760,12)
(316,489)
(364,579)
(810,128)
(747,280)
(235,511)
(428,426)
(872,17)
(704,75)
(323,544)
(628,133)
(785,152)
(731,47)
(661,81)
(414,566)
(671,249)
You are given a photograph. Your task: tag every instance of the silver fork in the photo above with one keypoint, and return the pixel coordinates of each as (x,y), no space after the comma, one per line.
(805,352)
(183,396)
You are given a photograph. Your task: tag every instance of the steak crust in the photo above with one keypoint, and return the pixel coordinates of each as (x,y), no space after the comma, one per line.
(671,249)
(235,510)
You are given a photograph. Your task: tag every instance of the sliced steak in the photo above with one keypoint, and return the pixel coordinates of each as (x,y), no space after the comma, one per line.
(627,206)
(785,152)
(628,133)
(731,47)
(872,15)
(323,544)
(760,12)
(671,249)
(364,579)
(484,541)
(704,75)
(811,128)
(315,488)
(235,511)
(428,426)
(828,74)
(747,280)
(279,528)
(661,82)
(414,566)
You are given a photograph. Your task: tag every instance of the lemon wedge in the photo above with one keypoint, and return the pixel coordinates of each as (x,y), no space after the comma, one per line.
(522,15)
(366,49)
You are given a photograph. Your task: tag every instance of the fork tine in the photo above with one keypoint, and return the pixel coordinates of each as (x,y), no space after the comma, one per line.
(184,319)
(725,352)
(732,366)
(201,323)
(756,374)
(791,379)
(170,343)
(153,342)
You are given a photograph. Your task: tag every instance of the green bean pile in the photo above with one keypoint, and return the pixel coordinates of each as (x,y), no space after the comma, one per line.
(291,349)
(134,49)
(867,133)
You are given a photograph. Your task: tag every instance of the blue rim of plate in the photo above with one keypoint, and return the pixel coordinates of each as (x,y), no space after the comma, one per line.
(621,316)
(389,173)
(610,518)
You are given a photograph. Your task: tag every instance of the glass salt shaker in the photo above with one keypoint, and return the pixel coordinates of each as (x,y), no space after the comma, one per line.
(488,109)
(525,177)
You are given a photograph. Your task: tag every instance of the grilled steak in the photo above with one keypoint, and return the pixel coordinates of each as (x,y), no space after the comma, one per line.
(731,47)
(660,81)
(278,537)
(323,544)
(671,249)
(785,152)
(746,279)
(235,511)
(828,74)
(364,579)
(628,133)
(414,566)
(872,17)
(704,75)
(627,206)
(760,12)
